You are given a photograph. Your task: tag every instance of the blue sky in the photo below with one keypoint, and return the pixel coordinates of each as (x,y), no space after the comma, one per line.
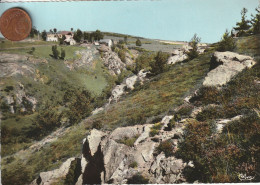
(165,19)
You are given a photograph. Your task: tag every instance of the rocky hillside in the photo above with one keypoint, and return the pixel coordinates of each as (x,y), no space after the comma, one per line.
(193,121)
(171,150)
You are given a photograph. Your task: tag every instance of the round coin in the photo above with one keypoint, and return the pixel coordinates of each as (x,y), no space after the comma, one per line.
(15,24)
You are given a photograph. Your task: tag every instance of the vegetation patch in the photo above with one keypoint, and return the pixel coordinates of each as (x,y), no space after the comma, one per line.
(166,147)
(155,129)
(128,141)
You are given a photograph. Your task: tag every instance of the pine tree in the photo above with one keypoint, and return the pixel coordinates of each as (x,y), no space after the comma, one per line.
(243,25)
(55,52)
(44,35)
(63,54)
(193,53)
(255,21)
(227,42)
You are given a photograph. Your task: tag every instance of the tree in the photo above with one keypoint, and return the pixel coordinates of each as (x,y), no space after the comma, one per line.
(255,21)
(51,31)
(243,25)
(86,36)
(55,52)
(71,29)
(33,32)
(78,35)
(97,35)
(55,30)
(125,39)
(44,35)
(79,102)
(138,42)
(227,42)
(159,63)
(193,52)
(62,39)
(63,54)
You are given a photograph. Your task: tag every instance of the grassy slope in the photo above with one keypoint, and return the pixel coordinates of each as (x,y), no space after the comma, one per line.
(157,96)
(57,79)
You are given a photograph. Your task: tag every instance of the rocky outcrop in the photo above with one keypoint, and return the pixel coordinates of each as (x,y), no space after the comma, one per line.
(114,157)
(224,66)
(178,56)
(85,58)
(18,98)
(112,61)
(128,83)
(47,178)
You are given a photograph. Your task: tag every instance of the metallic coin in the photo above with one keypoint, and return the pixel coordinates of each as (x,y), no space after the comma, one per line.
(15,24)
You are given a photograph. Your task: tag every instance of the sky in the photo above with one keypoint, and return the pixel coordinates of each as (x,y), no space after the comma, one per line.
(176,20)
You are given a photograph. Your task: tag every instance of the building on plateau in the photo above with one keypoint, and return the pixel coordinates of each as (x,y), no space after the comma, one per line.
(107,42)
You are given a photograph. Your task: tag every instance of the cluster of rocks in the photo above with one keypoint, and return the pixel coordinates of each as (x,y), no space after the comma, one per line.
(119,90)
(224,66)
(18,99)
(107,160)
(111,60)
(179,55)
(86,58)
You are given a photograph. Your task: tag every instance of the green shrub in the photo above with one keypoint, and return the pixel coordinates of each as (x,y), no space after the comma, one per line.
(137,179)
(227,43)
(73,173)
(138,42)
(134,164)
(159,63)
(185,110)
(128,141)
(166,147)
(121,55)
(193,53)
(155,129)
(55,52)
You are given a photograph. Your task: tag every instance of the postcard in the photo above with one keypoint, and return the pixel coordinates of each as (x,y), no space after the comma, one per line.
(129,92)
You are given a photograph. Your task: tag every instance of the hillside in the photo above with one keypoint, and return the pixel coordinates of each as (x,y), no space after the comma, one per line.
(58,87)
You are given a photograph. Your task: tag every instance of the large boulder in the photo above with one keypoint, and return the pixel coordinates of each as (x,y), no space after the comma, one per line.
(224,66)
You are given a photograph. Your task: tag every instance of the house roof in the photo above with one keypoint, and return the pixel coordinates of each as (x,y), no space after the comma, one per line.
(64,32)
(105,40)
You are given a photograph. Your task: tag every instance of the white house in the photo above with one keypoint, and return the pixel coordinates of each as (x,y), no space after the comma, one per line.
(52,38)
(107,42)
(69,40)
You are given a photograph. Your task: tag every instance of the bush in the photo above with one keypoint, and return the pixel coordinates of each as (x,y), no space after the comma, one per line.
(155,129)
(193,53)
(227,42)
(143,61)
(128,141)
(121,55)
(63,54)
(134,164)
(159,63)
(166,147)
(55,52)
(32,50)
(138,42)
(137,179)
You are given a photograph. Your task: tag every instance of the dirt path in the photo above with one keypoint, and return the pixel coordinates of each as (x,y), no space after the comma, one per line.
(27,47)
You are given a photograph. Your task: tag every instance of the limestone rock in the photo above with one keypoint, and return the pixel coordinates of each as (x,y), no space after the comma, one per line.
(94,139)
(226,65)
(113,62)
(47,178)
